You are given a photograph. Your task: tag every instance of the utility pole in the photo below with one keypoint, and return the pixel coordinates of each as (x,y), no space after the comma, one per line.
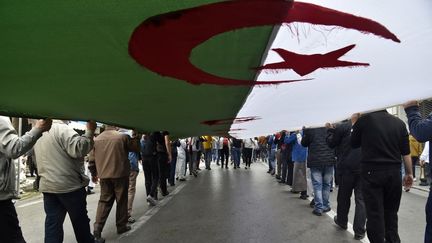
(19,158)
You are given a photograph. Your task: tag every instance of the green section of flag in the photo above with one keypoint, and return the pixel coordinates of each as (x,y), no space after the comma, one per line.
(69,59)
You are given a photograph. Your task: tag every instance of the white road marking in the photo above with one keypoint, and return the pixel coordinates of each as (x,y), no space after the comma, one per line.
(152,211)
(30,203)
(331,214)
(350,229)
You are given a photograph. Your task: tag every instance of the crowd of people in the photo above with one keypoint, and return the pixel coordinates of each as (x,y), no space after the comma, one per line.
(362,155)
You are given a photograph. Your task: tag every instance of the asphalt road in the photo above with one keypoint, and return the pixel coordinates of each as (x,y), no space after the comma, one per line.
(226,206)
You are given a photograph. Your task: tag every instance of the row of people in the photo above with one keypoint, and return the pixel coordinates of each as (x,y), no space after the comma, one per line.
(368,152)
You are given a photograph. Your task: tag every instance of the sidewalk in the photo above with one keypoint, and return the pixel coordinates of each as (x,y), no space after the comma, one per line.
(416,184)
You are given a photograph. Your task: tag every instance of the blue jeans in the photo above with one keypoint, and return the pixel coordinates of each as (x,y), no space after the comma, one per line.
(56,206)
(207,157)
(215,155)
(272,157)
(321,181)
(236,156)
(173,165)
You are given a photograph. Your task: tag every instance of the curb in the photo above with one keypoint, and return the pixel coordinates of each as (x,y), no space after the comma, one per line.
(421,188)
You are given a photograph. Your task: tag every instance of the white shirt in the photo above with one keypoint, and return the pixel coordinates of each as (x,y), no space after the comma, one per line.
(425,154)
(248,143)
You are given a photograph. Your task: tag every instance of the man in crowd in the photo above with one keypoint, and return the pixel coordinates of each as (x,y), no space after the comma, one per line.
(150,167)
(415,151)
(11,147)
(112,166)
(181,160)
(60,154)
(286,157)
(348,172)
(224,144)
(383,139)
(272,147)
(236,151)
(193,162)
(164,158)
(321,162)
(207,145)
(134,159)
(421,129)
(173,162)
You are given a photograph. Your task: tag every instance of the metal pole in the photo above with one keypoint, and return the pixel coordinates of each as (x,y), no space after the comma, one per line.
(18,159)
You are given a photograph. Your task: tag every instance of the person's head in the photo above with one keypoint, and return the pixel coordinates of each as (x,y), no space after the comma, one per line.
(355,117)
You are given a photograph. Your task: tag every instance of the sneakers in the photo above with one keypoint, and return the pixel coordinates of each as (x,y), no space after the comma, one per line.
(342,226)
(316,212)
(165,193)
(304,197)
(131,220)
(182,179)
(312,203)
(326,210)
(151,201)
(123,230)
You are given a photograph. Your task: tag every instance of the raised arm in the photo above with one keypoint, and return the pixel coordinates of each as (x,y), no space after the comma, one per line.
(420,128)
(14,146)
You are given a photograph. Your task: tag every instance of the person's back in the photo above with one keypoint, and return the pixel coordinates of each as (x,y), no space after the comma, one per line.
(113,168)
(12,146)
(321,161)
(60,154)
(207,143)
(383,139)
(111,154)
(236,143)
(348,176)
(348,158)
(319,153)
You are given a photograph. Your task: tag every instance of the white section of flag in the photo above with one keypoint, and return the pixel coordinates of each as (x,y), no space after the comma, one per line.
(398,72)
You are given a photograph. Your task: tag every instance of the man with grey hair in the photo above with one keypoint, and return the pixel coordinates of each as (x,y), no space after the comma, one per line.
(11,147)
(112,166)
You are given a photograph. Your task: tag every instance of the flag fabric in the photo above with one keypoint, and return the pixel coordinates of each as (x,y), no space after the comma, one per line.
(190,66)
(349,70)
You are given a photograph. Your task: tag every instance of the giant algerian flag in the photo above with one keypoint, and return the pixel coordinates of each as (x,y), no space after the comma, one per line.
(190,67)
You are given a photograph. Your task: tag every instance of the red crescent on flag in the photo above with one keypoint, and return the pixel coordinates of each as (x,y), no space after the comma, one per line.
(163,43)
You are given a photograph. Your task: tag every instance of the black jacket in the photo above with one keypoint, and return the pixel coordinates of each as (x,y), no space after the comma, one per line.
(383,139)
(319,153)
(339,138)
